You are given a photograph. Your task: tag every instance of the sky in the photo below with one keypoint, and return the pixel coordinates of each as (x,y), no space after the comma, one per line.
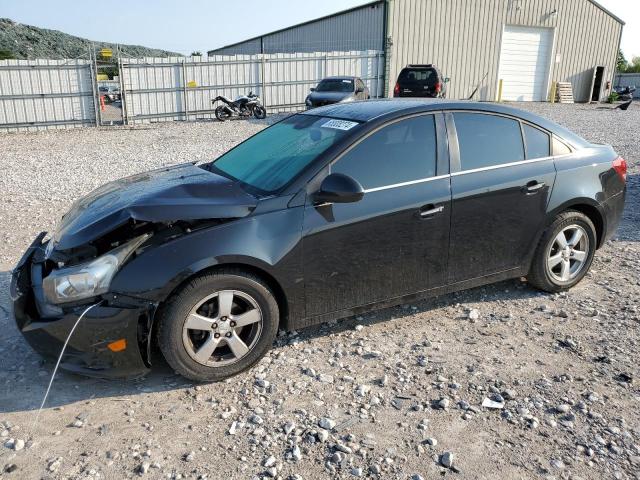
(185,26)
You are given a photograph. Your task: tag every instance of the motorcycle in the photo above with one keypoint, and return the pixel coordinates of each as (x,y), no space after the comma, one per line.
(243,106)
(625,93)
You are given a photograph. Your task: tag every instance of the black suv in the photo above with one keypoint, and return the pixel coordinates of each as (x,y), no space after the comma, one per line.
(421,81)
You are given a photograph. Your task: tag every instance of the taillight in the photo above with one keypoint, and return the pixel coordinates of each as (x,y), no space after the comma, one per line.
(438,87)
(396,90)
(620,166)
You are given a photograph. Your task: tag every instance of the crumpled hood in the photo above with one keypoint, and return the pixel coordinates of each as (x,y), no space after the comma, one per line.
(181,192)
(316,97)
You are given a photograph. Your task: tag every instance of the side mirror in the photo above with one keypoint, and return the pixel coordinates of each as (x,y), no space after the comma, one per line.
(338,188)
(446,79)
(312,89)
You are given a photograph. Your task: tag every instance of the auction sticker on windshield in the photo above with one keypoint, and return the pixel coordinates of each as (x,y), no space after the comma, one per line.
(339,124)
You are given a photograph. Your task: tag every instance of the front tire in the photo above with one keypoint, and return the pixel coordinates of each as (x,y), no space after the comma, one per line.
(565,253)
(259,112)
(218,325)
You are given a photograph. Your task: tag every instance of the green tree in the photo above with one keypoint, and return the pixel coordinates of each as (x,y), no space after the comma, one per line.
(6,55)
(634,66)
(196,54)
(621,63)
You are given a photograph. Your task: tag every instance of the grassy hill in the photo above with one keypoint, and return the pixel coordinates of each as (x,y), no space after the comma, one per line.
(28,42)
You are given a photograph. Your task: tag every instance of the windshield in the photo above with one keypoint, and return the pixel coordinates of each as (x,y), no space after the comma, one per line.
(335,85)
(275,156)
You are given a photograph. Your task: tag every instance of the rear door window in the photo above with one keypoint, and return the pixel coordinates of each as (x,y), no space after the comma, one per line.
(400,152)
(487,140)
(537,142)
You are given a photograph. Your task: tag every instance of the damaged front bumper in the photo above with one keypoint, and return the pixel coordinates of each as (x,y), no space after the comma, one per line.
(112,340)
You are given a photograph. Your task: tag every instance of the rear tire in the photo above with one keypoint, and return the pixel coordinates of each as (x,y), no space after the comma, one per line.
(565,253)
(222,113)
(218,325)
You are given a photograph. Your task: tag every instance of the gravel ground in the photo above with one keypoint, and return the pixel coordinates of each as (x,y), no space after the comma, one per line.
(395,394)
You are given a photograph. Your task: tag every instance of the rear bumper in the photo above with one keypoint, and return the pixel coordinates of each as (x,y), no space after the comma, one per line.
(46,327)
(613,208)
(417,95)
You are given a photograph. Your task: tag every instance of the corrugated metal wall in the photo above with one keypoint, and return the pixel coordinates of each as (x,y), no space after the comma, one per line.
(182,88)
(463,39)
(38,94)
(250,47)
(359,29)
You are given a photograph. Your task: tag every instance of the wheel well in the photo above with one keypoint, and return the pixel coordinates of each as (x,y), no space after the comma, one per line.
(271,282)
(596,218)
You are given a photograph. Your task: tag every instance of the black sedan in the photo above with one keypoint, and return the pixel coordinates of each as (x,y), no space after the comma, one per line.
(329,213)
(337,89)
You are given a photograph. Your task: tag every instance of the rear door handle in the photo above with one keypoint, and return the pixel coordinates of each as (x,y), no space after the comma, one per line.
(533,186)
(430,210)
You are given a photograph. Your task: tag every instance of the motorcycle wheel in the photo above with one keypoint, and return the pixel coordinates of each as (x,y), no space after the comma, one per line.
(259,112)
(222,113)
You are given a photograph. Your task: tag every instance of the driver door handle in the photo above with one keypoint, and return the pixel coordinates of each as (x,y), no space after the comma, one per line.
(533,187)
(430,210)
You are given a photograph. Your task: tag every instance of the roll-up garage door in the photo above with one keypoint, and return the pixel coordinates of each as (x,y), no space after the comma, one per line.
(525,59)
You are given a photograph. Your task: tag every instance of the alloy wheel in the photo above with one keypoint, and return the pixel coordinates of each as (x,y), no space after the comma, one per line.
(568,254)
(222,328)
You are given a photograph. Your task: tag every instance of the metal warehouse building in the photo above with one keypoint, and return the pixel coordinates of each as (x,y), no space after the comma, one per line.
(528,44)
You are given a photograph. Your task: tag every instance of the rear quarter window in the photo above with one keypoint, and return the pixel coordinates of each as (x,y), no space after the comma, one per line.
(560,148)
(487,140)
(537,142)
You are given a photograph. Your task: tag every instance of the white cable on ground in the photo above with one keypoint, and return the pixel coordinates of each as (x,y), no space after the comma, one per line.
(55,370)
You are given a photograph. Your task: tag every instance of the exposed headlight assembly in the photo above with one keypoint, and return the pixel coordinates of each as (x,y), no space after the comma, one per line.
(88,279)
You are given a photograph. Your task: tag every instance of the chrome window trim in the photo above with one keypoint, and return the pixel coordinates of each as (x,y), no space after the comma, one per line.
(512,164)
(439,177)
(405,184)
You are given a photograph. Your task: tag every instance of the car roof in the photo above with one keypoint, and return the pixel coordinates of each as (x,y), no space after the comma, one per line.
(345,77)
(388,108)
(416,66)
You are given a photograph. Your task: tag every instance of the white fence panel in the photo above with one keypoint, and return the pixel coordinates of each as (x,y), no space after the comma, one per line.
(182,88)
(38,94)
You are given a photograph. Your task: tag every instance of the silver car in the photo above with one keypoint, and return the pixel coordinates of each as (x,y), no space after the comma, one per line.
(337,89)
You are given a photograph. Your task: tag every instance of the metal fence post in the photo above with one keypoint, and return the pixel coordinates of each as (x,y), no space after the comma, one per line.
(264,91)
(184,90)
(123,100)
(93,71)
